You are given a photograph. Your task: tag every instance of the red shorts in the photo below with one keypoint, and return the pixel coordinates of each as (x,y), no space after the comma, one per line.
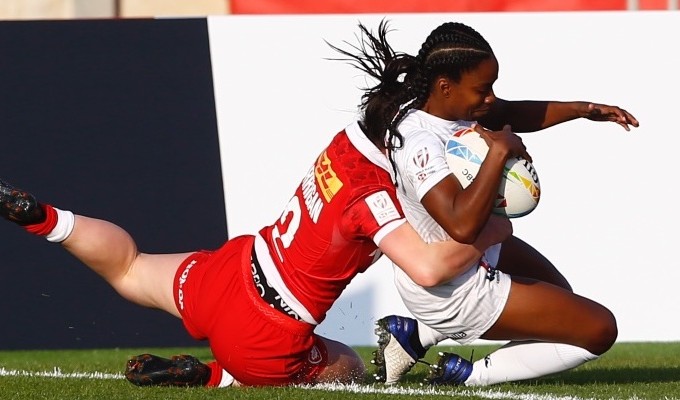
(258,345)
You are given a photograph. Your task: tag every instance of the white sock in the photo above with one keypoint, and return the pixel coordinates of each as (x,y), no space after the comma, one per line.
(227,380)
(64,227)
(428,336)
(526,360)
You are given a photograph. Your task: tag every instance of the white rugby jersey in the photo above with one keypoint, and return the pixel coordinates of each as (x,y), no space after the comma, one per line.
(421,164)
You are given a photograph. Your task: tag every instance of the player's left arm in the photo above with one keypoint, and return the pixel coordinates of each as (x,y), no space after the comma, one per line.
(532,115)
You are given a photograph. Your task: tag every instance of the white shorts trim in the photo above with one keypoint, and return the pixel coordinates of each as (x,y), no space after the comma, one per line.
(276,281)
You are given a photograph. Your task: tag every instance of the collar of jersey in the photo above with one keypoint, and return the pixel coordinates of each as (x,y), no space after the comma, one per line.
(366,147)
(436,121)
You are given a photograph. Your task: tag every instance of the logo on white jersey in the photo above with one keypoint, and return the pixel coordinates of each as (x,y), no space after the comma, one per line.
(422,157)
(382,207)
(421,160)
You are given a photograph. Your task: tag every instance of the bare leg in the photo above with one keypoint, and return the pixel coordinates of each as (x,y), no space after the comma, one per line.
(551,330)
(537,310)
(145,279)
(344,364)
(518,258)
(111,252)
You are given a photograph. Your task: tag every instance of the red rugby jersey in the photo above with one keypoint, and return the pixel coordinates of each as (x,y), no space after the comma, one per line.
(328,232)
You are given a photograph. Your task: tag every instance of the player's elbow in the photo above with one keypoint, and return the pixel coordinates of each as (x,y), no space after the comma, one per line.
(464,236)
(427,280)
(440,270)
(430,277)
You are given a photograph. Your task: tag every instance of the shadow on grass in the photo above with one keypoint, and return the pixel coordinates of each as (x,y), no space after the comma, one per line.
(590,376)
(613,376)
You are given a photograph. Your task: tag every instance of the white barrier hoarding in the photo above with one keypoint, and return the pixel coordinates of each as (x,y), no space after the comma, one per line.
(606,217)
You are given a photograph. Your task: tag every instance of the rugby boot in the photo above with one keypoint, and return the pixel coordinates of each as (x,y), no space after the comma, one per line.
(399,348)
(181,370)
(19,206)
(450,369)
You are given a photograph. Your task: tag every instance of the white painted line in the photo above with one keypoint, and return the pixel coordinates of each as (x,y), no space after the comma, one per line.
(56,373)
(485,393)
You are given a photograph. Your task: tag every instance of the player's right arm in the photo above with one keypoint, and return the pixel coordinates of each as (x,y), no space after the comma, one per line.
(462,213)
(430,264)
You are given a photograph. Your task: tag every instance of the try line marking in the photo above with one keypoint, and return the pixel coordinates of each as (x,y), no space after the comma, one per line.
(486,393)
(56,373)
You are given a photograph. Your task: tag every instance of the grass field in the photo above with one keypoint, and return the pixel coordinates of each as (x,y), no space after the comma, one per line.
(627,371)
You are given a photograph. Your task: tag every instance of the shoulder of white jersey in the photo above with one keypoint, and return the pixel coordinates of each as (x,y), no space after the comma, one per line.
(418,149)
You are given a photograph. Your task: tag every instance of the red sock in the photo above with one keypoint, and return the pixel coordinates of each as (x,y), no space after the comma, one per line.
(215,374)
(45,227)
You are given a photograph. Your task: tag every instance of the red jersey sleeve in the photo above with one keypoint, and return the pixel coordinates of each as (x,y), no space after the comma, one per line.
(372,215)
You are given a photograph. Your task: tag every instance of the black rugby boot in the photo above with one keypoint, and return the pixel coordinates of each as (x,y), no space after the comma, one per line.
(19,206)
(181,370)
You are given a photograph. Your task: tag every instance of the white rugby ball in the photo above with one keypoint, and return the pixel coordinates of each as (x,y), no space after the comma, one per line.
(519,191)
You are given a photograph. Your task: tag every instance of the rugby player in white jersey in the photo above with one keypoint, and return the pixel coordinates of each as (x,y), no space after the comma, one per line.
(513,293)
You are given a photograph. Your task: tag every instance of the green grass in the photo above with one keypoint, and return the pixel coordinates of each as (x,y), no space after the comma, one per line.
(627,371)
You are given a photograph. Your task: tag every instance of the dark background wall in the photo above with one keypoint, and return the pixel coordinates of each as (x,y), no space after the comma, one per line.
(112,119)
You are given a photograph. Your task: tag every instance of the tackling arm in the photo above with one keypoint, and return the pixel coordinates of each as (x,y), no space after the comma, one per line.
(430,264)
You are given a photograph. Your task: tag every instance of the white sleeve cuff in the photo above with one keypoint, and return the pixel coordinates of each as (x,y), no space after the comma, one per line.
(386,229)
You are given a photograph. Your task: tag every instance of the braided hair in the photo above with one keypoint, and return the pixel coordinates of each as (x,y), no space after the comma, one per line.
(404,82)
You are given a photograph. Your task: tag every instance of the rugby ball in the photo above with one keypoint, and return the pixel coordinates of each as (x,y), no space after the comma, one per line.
(519,191)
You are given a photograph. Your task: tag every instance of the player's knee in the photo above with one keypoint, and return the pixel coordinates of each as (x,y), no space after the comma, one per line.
(128,284)
(603,333)
(344,366)
(126,288)
(350,368)
(358,370)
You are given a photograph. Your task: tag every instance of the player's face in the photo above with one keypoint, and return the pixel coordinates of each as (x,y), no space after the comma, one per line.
(471,98)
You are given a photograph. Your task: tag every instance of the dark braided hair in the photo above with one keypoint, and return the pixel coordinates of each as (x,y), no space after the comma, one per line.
(405,81)
(375,57)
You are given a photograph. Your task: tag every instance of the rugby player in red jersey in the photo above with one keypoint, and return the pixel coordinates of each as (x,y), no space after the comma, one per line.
(258,298)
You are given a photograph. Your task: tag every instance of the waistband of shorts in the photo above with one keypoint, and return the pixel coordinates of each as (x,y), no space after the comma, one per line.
(266,291)
(275,280)
(275,316)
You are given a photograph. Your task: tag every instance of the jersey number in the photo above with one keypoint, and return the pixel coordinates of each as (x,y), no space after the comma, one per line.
(291,214)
